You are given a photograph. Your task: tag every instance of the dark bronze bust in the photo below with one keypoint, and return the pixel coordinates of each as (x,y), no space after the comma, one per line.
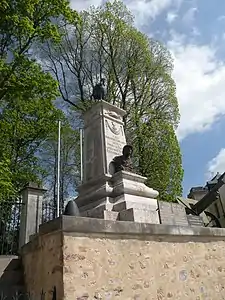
(99,90)
(123,162)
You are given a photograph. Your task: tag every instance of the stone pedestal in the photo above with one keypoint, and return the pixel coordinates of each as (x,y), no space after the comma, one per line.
(104,139)
(104,193)
(125,197)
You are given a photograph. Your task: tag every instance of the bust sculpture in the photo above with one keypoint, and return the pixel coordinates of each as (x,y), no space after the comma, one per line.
(123,162)
(99,90)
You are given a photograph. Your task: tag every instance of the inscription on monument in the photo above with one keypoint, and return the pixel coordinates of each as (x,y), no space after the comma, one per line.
(172,214)
(114,140)
(114,146)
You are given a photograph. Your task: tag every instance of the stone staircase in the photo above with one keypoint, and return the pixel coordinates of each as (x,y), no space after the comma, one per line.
(11,278)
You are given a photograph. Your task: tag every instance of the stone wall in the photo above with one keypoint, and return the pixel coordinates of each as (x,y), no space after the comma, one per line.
(136,269)
(96,259)
(43,264)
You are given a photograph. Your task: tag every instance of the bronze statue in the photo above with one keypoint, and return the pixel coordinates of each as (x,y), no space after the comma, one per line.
(99,90)
(123,162)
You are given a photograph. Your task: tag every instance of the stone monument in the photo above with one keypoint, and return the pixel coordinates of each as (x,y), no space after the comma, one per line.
(109,191)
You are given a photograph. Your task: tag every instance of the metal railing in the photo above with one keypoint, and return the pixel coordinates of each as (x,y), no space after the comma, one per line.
(49,211)
(10,212)
(10,215)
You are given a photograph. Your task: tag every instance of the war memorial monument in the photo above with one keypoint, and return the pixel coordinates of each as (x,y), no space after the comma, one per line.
(125,243)
(111,189)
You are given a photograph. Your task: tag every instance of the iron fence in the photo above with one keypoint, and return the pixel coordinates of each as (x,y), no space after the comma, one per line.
(49,211)
(10,214)
(10,211)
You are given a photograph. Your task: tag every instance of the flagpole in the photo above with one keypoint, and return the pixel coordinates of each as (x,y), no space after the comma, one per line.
(81,155)
(58,170)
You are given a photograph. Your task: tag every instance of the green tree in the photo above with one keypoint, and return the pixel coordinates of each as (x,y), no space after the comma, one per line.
(27,118)
(159,158)
(23,24)
(138,73)
(6,185)
(27,113)
(69,163)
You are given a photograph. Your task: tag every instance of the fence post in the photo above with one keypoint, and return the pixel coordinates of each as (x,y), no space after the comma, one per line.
(31,213)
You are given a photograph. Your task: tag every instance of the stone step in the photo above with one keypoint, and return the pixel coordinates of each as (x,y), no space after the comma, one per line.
(8,263)
(11,272)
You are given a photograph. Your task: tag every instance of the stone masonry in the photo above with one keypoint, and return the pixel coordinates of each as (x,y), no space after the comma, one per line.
(98,259)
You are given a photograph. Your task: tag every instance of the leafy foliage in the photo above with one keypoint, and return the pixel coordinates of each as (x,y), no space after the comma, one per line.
(27,113)
(159,158)
(6,185)
(27,118)
(22,24)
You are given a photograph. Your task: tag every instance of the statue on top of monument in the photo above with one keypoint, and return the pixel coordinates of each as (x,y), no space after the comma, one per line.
(99,90)
(123,162)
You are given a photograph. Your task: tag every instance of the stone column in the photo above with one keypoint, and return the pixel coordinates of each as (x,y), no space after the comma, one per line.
(104,138)
(31,213)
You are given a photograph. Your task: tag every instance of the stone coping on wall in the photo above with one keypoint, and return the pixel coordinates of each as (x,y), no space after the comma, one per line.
(80,226)
(69,224)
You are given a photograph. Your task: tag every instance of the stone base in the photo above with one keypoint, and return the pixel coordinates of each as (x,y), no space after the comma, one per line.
(130,201)
(132,184)
(101,213)
(126,208)
(97,208)
(123,196)
(139,216)
(93,192)
(111,215)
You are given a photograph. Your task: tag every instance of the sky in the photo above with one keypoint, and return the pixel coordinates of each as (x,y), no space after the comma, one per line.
(194,32)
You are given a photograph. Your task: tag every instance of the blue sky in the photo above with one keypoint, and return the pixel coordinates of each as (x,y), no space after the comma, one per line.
(194,31)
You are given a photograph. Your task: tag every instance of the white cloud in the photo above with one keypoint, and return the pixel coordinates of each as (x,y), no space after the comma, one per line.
(200,81)
(171,16)
(84,4)
(189,16)
(145,9)
(217,164)
(142,9)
